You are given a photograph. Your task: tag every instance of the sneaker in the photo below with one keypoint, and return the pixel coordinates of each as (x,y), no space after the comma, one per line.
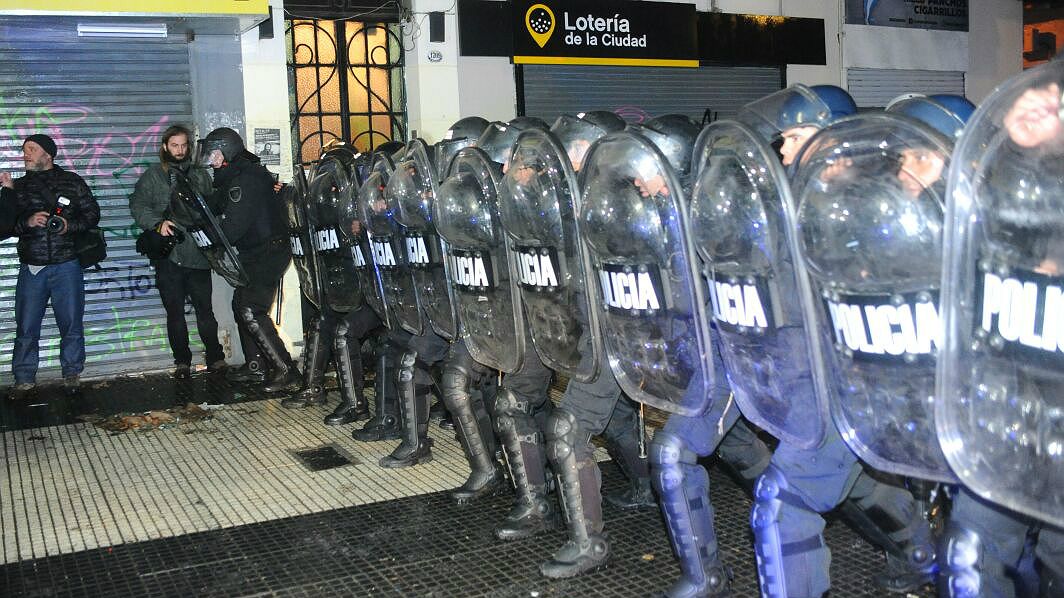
(182,372)
(21,390)
(72,384)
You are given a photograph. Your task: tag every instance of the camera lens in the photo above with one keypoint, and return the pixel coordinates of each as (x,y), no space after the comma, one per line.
(55,223)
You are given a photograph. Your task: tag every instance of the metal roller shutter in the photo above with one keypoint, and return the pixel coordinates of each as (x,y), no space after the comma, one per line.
(105,102)
(875,88)
(640,92)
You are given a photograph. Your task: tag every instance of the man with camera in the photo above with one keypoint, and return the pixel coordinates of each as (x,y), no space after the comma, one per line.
(53,206)
(180,268)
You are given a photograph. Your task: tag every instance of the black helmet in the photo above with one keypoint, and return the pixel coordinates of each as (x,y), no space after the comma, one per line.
(577,132)
(674,135)
(224,139)
(469,127)
(499,137)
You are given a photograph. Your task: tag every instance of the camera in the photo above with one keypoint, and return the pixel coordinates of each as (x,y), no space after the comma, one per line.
(56,220)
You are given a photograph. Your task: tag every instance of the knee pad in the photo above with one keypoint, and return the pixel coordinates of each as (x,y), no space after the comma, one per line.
(507,404)
(563,433)
(768,545)
(668,455)
(406,366)
(340,340)
(247,315)
(960,555)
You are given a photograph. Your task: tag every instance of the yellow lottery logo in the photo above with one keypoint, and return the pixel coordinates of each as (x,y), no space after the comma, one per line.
(540,22)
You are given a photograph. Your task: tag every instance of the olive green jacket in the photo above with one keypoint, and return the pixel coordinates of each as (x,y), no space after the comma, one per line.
(151,199)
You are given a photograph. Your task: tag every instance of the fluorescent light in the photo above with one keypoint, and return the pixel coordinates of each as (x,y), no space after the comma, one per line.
(121,30)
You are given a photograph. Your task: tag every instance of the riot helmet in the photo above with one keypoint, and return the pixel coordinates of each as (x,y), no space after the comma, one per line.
(463,133)
(577,132)
(945,113)
(223,139)
(499,137)
(795,113)
(674,135)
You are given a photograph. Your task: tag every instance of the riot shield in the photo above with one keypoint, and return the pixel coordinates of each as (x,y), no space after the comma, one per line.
(648,301)
(870,191)
(1001,375)
(294,197)
(489,307)
(353,226)
(388,251)
(330,192)
(190,210)
(412,187)
(538,200)
(743,229)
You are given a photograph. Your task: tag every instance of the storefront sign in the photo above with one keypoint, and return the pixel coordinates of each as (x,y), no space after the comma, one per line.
(134,7)
(918,14)
(605,33)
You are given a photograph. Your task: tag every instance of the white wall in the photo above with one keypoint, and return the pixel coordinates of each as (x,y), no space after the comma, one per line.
(432,88)
(996,51)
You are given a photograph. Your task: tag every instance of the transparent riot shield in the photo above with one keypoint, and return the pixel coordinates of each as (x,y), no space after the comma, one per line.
(489,307)
(190,210)
(870,192)
(538,202)
(1001,375)
(294,197)
(412,188)
(353,225)
(648,300)
(743,230)
(388,251)
(330,192)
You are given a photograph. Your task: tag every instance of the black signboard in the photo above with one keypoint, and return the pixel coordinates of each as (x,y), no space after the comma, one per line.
(605,33)
(900,328)
(1021,314)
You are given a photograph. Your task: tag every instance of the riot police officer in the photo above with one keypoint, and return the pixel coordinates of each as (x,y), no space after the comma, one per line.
(252,220)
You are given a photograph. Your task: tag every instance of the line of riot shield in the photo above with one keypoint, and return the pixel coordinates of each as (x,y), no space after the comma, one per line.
(870,191)
(743,229)
(190,210)
(467,217)
(539,198)
(648,301)
(412,188)
(1000,413)
(331,191)
(294,197)
(387,248)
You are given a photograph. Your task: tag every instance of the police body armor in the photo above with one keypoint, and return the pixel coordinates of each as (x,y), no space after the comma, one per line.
(870,193)
(300,233)
(1000,413)
(648,302)
(742,224)
(538,201)
(190,210)
(482,283)
(412,189)
(332,192)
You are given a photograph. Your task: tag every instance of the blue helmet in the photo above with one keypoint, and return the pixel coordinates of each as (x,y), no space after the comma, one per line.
(797,106)
(944,113)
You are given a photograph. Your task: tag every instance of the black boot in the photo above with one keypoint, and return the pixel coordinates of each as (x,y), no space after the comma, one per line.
(352,406)
(313,371)
(534,511)
(285,376)
(684,489)
(252,372)
(416,447)
(474,427)
(385,423)
(623,437)
(580,486)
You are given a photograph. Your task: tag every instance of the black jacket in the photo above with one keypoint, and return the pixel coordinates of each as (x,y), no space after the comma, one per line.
(252,214)
(40,246)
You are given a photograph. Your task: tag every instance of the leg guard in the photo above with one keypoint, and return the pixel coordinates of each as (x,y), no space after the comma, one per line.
(622,434)
(962,561)
(313,371)
(525,452)
(285,377)
(352,405)
(890,517)
(683,486)
(786,567)
(385,423)
(416,447)
(474,428)
(580,485)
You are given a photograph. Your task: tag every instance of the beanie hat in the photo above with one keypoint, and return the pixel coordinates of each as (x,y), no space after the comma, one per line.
(44,141)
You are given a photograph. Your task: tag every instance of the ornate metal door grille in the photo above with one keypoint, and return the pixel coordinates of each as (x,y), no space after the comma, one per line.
(345,81)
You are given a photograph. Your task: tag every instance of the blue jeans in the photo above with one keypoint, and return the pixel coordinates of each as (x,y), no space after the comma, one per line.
(64,284)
